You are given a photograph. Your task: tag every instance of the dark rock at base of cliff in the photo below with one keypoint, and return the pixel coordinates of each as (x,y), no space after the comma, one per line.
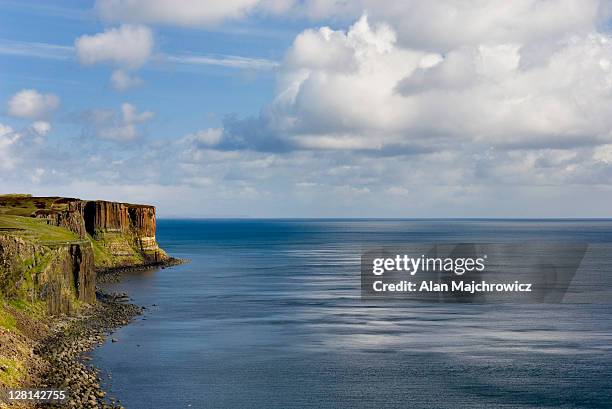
(115,274)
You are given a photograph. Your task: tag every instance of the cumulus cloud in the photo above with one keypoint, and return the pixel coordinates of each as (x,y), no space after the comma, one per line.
(447,24)
(31,104)
(365,90)
(459,104)
(127,45)
(124,126)
(440,25)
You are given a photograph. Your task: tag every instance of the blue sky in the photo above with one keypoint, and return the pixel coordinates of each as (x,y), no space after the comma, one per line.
(286,108)
(168,90)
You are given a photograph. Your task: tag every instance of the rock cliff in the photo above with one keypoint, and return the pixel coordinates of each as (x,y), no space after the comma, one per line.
(54,273)
(123,234)
(50,247)
(135,222)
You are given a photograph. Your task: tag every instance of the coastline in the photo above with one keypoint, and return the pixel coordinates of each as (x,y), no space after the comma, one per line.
(115,274)
(64,349)
(54,251)
(59,345)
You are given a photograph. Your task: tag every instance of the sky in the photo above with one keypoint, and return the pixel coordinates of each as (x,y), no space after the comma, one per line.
(311,108)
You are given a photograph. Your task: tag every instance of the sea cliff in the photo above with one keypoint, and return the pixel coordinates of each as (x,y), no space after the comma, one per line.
(51,250)
(123,234)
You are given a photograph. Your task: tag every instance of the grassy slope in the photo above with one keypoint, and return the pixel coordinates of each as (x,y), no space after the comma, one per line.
(24,205)
(36,230)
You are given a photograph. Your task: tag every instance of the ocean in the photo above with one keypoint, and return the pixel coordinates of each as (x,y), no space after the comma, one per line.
(268,314)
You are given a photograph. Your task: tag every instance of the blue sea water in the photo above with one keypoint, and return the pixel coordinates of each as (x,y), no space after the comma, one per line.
(268,315)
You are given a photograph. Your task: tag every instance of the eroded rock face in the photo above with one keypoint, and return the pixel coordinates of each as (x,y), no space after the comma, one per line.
(56,275)
(68,213)
(106,216)
(81,257)
(142,218)
(135,223)
(15,256)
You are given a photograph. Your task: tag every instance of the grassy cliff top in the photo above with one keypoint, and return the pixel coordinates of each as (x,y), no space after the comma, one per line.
(36,230)
(26,205)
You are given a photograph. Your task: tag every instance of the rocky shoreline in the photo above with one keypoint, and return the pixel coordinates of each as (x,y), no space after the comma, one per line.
(54,253)
(115,274)
(63,363)
(70,338)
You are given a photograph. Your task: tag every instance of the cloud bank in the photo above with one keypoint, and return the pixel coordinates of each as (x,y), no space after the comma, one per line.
(361,89)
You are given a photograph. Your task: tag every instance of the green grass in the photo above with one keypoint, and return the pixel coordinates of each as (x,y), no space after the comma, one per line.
(11,372)
(7,321)
(102,258)
(102,244)
(23,205)
(35,309)
(36,230)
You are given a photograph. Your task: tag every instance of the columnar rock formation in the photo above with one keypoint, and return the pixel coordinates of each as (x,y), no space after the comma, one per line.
(135,223)
(112,217)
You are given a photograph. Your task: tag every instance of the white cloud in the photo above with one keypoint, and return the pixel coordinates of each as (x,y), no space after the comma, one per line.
(8,138)
(365,90)
(459,104)
(130,115)
(434,25)
(123,126)
(448,24)
(181,12)
(205,137)
(123,80)
(41,128)
(31,104)
(127,46)
(603,154)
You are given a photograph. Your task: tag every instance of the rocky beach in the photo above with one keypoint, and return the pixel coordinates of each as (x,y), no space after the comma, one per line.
(64,348)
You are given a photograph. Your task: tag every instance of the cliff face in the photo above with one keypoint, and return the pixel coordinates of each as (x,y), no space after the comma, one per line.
(123,233)
(55,274)
(50,247)
(134,221)
(66,213)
